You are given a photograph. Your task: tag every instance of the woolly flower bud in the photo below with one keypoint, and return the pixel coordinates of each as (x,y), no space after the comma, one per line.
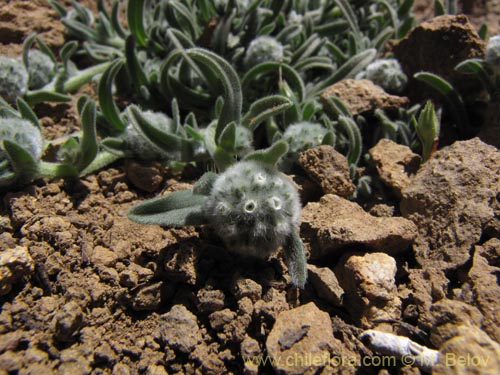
(253,208)
(493,52)
(300,136)
(387,73)
(22,132)
(262,49)
(41,69)
(13,79)
(140,146)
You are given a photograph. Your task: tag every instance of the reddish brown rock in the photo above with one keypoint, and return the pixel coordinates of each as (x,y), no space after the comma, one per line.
(334,223)
(148,297)
(145,176)
(437,46)
(483,278)
(15,264)
(302,342)
(179,329)
(361,96)
(395,164)
(68,322)
(426,286)
(326,284)
(451,200)
(471,351)
(448,315)
(370,288)
(329,169)
(18,19)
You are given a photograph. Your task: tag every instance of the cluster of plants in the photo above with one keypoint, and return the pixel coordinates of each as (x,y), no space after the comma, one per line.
(229,85)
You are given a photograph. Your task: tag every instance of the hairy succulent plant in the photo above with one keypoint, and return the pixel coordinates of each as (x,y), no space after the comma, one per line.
(13,79)
(139,146)
(388,74)
(263,49)
(320,42)
(300,136)
(251,206)
(22,146)
(22,132)
(20,141)
(36,77)
(41,69)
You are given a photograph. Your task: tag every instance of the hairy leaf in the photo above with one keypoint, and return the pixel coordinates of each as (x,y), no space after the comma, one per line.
(175,209)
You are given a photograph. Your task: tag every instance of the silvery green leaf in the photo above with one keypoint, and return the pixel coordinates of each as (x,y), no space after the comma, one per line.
(475,66)
(329,139)
(22,162)
(27,113)
(427,129)
(88,145)
(135,11)
(134,67)
(355,140)
(39,96)
(166,141)
(204,185)
(349,69)
(105,95)
(229,81)
(115,145)
(222,158)
(284,71)
(270,155)
(454,99)
(227,139)
(176,209)
(264,108)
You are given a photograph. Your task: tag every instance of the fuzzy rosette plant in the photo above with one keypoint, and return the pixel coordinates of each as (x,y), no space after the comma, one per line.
(36,76)
(319,41)
(251,206)
(387,73)
(228,136)
(22,147)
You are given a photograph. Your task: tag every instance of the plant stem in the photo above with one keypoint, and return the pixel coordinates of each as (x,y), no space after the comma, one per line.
(47,169)
(84,76)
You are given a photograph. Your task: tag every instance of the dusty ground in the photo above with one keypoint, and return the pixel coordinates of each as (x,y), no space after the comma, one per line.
(85,291)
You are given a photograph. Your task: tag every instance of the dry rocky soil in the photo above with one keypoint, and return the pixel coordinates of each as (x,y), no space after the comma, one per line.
(83,290)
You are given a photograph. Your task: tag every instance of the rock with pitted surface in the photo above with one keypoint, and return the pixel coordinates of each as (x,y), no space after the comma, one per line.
(452,200)
(329,169)
(334,223)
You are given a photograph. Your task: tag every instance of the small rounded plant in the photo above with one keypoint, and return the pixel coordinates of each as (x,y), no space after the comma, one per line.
(388,74)
(263,49)
(22,146)
(300,136)
(13,79)
(251,206)
(22,132)
(18,137)
(41,69)
(139,146)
